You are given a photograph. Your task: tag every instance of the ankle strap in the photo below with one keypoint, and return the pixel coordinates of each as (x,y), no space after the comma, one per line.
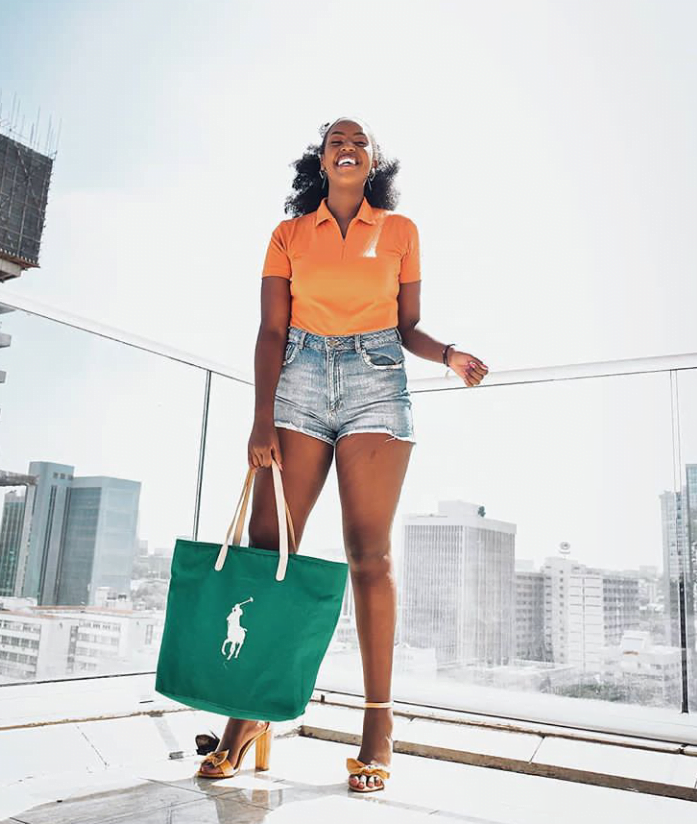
(374,704)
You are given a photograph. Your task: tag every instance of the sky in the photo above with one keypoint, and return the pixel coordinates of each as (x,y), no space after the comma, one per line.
(547,158)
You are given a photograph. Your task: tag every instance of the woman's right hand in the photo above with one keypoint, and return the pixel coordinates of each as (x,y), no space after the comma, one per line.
(263,444)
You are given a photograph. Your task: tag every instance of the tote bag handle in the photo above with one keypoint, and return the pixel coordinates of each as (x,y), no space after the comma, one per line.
(281,507)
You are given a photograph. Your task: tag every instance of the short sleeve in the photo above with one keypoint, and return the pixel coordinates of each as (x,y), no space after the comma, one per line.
(277,261)
(411,260)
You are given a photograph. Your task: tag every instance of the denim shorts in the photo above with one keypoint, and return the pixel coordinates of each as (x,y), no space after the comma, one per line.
(331,386)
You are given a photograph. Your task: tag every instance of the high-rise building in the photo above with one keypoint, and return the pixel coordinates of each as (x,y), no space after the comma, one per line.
(100,539)
(690,523)
(42,531)
(25,177)
(457,590)
(529,614)
(586,609)
(10,539)
(557,573)
(678,527)
(79,534)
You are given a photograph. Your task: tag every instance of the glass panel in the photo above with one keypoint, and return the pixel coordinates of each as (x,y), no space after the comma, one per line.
(229,427)
(530,563)
(531,542)
(100,446)
(230,417)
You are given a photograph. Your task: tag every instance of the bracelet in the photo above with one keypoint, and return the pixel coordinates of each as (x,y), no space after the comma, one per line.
(445,353)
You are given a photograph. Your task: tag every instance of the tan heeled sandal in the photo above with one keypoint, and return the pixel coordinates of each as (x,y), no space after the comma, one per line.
(374,768)
(225,769)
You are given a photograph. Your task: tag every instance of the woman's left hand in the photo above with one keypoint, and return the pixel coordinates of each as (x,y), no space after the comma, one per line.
(467,366)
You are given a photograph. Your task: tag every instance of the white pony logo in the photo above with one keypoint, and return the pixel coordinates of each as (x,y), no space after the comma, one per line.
(235,632)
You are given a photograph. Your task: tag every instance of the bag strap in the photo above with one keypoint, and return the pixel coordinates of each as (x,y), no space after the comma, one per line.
(281,507)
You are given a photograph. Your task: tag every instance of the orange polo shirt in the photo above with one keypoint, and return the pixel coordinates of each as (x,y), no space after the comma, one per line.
(342,286)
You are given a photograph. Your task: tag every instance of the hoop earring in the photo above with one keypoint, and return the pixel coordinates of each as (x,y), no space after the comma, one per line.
(368,180)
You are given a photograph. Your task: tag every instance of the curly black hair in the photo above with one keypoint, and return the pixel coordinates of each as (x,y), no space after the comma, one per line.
(309,188)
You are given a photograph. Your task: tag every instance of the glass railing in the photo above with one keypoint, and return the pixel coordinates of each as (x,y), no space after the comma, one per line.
(545,540)
(545,545)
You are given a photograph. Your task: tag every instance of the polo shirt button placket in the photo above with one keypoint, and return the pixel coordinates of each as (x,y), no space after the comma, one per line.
(344,239)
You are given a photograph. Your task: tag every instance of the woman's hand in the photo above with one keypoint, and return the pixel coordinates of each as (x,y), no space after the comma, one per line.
(467,366)
(263,444)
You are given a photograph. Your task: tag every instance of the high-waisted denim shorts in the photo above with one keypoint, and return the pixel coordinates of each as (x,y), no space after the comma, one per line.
(331,386)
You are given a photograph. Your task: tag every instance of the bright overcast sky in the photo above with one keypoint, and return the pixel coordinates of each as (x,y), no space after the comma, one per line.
(548,159)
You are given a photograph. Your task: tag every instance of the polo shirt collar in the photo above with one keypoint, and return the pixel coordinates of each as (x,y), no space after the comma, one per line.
(365,212)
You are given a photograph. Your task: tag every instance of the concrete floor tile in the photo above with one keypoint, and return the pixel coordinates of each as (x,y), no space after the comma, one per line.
(307,782)
(612,760)
(36,751)
(212,810)
(248,786)
(103,806)
(338,808)
(461,737)
(127,740)
(32,792)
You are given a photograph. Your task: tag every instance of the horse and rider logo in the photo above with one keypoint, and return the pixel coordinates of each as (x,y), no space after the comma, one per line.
(236,633)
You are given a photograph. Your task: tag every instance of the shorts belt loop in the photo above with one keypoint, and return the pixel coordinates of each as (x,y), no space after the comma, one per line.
(357,341)
(301,339)
(399,334)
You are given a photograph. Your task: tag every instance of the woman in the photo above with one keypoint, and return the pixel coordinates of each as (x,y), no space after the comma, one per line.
(340,299)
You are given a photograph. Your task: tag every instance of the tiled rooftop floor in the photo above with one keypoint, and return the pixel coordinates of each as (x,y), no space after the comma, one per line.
(307,783)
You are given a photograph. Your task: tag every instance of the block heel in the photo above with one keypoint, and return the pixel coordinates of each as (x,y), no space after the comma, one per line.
(224,768)
(263,750)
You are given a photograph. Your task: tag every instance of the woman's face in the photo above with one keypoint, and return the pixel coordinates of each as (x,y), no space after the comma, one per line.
(346,138)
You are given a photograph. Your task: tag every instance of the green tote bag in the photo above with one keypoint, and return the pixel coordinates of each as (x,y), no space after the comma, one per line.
(246,628)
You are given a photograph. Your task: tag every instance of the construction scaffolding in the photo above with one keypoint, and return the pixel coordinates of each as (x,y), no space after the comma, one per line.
(25,175)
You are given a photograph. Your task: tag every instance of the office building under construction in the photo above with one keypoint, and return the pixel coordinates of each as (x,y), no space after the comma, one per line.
(25,175)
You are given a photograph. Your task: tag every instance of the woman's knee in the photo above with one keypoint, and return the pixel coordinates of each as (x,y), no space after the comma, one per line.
(369,558)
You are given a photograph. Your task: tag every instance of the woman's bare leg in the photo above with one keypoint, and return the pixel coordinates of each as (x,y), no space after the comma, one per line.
(371,467)
(306,464)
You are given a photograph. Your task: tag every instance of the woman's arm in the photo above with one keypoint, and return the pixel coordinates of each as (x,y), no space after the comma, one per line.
(270,346)
(415,340)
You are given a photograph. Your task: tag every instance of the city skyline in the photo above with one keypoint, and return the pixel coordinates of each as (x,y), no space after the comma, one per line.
(564,446)
(17,526)
(466,608)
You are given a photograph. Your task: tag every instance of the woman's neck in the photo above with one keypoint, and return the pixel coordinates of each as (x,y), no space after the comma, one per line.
(344,205)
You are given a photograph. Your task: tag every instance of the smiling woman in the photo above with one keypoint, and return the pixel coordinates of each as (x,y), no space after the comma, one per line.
(318,167)
(346,255)
(340,297)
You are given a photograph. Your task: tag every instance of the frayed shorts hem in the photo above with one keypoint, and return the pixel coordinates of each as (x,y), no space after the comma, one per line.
(378,429)
(284,425)
(386,430)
